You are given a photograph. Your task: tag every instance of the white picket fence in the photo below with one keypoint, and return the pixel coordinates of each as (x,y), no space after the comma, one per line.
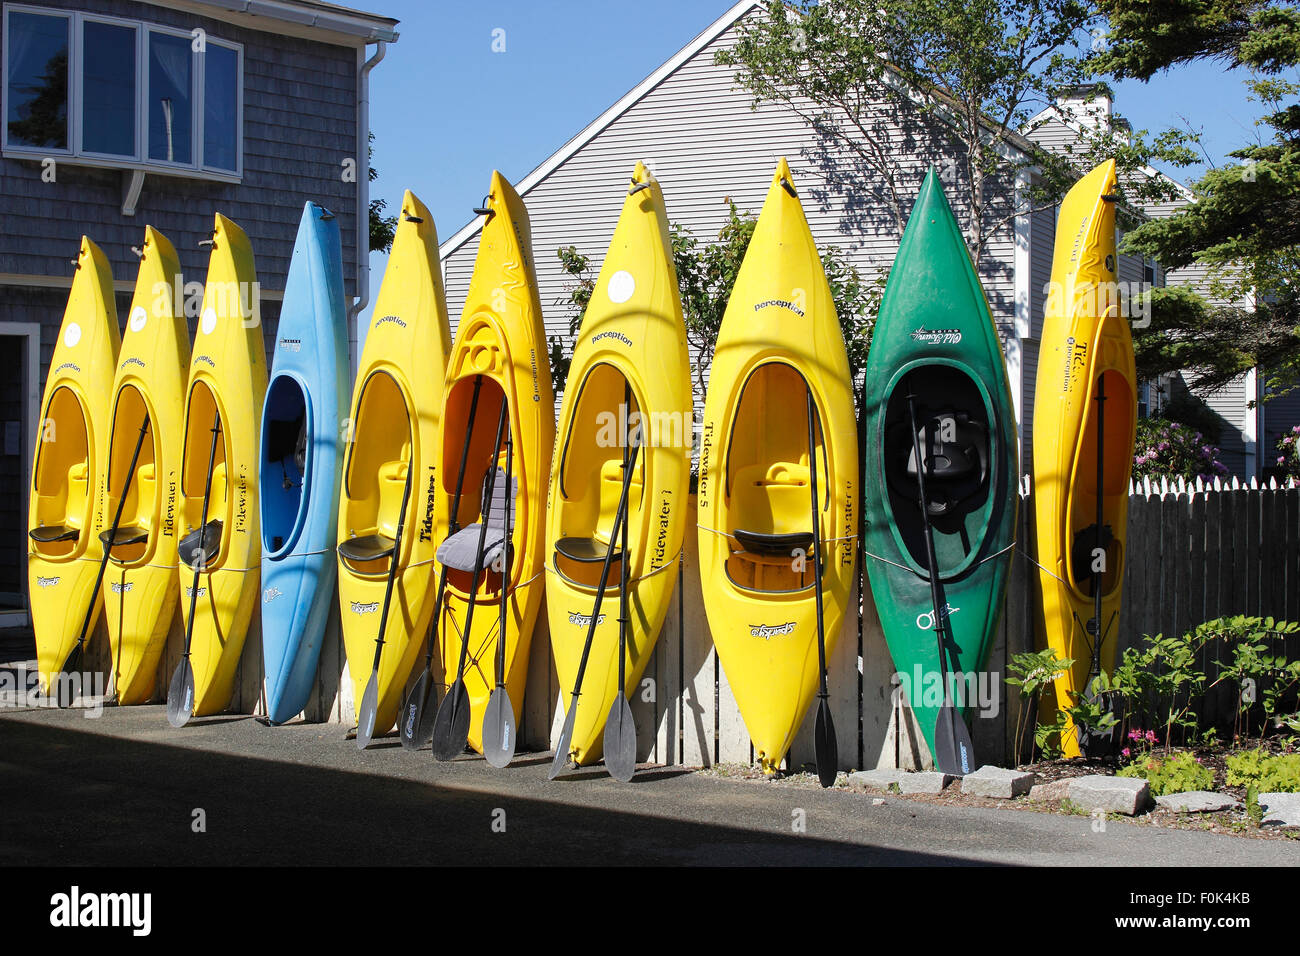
(1196,551)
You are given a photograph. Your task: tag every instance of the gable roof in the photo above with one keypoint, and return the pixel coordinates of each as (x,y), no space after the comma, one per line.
(601,122)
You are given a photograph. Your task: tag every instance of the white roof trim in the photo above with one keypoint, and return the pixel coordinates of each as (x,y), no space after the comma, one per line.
(1050,113)
(356,25)
(711,33)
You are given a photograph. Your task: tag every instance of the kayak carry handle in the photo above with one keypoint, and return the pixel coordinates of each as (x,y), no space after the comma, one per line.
(789,187)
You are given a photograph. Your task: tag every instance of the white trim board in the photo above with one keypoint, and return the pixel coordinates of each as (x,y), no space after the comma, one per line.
(31,413)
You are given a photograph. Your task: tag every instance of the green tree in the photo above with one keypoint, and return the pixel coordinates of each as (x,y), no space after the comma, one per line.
(1243,224)
(957,81)
(382,228)
(706,274)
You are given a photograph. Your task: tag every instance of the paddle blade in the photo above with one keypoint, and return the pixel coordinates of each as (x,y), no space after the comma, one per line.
(953,752)
(417,713)
(825,746)
(72,665)
(180,694)
(451,725)
(620,741)
(499,729)
(366,715)
(566,741)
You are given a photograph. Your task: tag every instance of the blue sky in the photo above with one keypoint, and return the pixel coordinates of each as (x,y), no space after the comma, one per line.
(446,109)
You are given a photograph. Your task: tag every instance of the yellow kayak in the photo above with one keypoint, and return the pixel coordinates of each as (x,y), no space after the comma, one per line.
(66,513)
(1084,399)
(779,347)
(227,382)
(498,362)
(632,341)
(140,587)
(395,415)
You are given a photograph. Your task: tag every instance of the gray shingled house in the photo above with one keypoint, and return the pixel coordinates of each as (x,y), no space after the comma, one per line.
(121,113)
(692,123)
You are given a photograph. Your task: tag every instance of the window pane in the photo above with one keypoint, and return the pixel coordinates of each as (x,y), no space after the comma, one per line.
(108,89)
(170,69)
(37,48)
(221,107)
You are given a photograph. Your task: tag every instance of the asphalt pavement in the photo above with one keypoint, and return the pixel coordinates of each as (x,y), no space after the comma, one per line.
(126,789)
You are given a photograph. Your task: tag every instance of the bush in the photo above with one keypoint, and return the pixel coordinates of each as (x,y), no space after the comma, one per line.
(1288,454)
(1267,774)
(1174,774)
(1166,449)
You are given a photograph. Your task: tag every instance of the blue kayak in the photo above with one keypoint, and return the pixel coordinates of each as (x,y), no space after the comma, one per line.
(299,466)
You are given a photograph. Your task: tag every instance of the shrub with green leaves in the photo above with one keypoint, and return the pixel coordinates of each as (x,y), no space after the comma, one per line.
(1175,774)
(1275,773)
(1166,449)
(1034,672)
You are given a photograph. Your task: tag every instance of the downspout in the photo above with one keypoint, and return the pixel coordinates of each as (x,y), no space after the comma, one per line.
(363,198)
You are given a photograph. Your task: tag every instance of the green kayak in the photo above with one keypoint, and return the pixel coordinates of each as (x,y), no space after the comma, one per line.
(936,393)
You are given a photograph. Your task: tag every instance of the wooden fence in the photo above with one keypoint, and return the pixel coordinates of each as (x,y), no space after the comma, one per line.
(1196,551)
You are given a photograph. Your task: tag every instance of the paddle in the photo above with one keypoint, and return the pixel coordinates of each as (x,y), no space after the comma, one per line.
(824,744)
(451,724)
(954,753)
(416,725)
(499,717)
(370,699)
(1093,743)
(73,663)
(620,730)
(566,735)
(180,692)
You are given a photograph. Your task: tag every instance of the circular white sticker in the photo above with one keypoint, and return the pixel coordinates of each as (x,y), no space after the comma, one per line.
(138,318)
(72,336)
(621,286)
(209,321)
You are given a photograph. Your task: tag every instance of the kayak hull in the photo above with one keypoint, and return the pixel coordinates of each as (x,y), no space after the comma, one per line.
(633,338)
(140,587)
(779,343)
(936,343)
(227,383)
(395,417)
(501,343)
(1086,350)
(301,439)
(69,467)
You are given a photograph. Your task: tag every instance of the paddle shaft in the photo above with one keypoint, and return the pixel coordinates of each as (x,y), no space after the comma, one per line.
(112,532)
(203,538)
(817,542)
(482,537)
(453,524)
(620,517)
(505,559)
(393,563)
(623,619)
(940,620)
(1096,575)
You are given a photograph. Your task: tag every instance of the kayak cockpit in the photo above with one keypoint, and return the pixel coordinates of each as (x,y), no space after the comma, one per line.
(375,478)
(62,483)
(947,417)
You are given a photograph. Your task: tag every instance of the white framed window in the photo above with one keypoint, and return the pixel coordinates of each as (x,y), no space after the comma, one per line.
(105,91)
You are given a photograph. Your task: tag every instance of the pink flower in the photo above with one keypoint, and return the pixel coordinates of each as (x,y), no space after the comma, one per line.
(1124,752)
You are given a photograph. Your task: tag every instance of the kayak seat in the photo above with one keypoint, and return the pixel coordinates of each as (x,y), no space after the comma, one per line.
(586,550)
(783,545)
(123,537)
(772,501)
(460,550)
(956,469)
(48,534)
(200,541)
(392,489)
(370,547)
